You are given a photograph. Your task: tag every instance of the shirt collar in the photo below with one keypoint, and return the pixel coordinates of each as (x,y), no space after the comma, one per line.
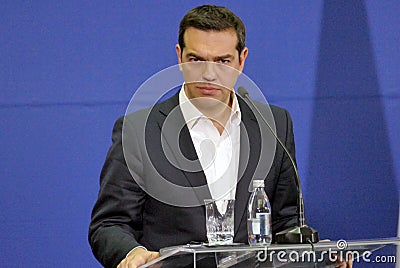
(192,115)
(236,115)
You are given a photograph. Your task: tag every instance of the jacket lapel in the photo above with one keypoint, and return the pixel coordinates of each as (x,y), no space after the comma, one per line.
(179,148)
(248,161)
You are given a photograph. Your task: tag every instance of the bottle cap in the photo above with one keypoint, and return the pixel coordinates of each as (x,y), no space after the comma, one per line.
(258,183)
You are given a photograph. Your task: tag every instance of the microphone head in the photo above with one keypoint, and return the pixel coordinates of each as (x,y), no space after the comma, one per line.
(243,92)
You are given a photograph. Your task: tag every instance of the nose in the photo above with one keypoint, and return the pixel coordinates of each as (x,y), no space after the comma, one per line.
(209,71)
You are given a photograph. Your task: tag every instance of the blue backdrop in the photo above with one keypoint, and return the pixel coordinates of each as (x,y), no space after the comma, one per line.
(69,68)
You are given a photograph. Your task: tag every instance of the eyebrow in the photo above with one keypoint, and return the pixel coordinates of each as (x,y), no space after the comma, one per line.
(226,56)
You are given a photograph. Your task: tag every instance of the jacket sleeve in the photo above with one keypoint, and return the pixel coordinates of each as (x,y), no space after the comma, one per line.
(116,222)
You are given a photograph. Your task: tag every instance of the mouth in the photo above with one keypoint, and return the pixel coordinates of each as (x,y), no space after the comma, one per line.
(208,89)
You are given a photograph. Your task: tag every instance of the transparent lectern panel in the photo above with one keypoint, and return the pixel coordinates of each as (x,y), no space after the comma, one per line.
(365,253)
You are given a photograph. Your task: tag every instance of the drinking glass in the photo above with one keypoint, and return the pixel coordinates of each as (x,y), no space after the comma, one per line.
(220,221)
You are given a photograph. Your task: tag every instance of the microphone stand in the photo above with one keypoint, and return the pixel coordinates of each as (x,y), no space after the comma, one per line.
(302,233)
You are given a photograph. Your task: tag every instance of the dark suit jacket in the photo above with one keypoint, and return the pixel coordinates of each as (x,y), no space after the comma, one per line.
(135,208)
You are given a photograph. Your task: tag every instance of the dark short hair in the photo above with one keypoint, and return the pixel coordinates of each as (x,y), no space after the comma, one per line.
(213,18)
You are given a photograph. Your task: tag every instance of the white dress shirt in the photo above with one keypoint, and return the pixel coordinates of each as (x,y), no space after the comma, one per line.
(218,153)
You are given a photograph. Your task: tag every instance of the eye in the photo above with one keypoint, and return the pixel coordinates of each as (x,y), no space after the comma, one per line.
(224,61)
(194,59)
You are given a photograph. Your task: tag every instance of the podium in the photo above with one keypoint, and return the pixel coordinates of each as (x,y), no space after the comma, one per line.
(321,254)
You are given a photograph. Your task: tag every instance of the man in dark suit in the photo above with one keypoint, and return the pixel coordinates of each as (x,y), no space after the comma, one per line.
(154,180)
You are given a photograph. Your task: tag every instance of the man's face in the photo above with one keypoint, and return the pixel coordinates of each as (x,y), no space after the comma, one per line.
(210,63)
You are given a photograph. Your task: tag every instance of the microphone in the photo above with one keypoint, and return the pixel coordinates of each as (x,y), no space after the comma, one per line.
(301,234)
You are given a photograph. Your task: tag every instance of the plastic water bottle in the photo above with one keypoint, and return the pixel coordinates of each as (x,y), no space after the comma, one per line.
(259,222)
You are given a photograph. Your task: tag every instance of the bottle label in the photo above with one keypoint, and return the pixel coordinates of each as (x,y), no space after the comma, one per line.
(264,223)
(255,226)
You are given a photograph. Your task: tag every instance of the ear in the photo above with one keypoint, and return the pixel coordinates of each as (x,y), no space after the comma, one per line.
(242,58)
(178,53)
